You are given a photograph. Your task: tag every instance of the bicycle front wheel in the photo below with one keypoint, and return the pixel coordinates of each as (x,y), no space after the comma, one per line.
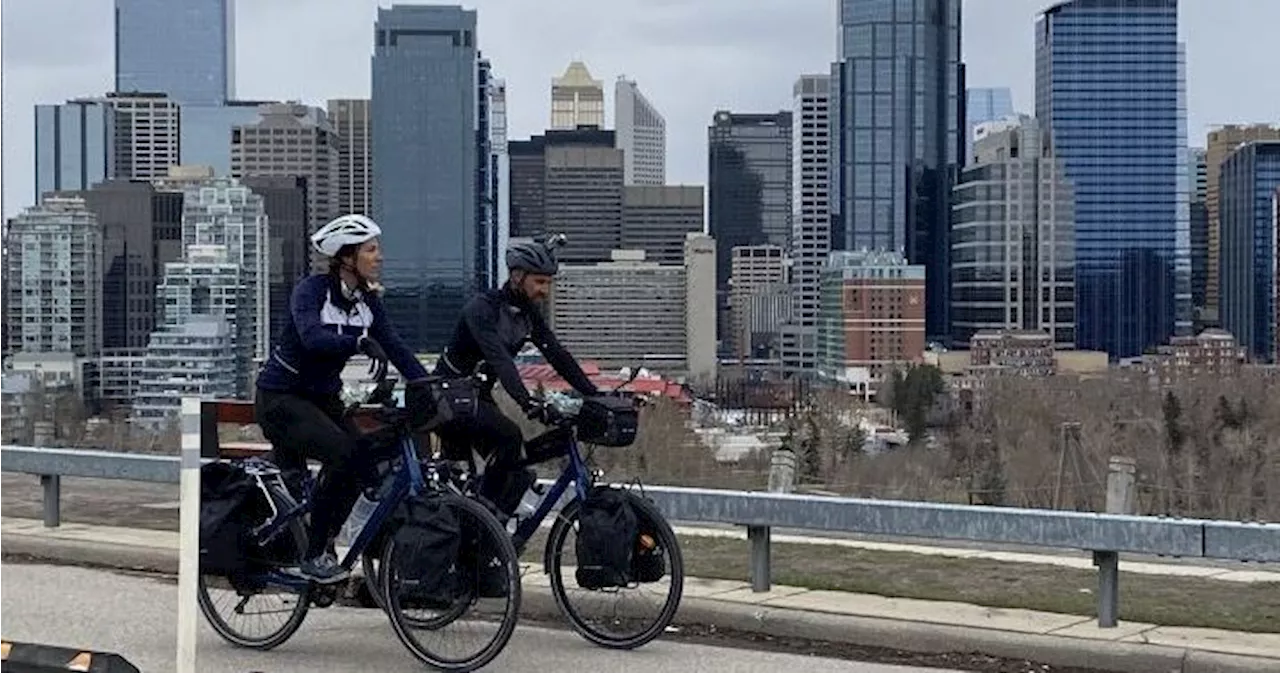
(623,618)
(467,630)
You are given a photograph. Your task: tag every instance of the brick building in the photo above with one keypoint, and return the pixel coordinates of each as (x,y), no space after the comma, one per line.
(872,315)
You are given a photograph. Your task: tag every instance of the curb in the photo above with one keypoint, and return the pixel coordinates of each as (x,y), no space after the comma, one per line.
(909,636)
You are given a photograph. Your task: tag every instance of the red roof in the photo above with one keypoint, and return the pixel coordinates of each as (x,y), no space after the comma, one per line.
(544,374)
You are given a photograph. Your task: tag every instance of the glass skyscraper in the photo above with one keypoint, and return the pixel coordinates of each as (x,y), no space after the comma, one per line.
(898,122)
(1110,86)
(749,190)
(75,145)
(1250,176)
(985,104)
(185,48)
(425,177)
(1012,239)
(205,132)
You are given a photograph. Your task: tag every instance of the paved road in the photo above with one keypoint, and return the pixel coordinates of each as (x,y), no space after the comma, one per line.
(134,616)
(143,505)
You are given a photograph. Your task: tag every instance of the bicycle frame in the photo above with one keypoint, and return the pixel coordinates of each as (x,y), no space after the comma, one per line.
(406,481)
(576,472)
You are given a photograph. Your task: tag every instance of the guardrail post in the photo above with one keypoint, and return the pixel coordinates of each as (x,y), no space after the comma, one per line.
(1120,500)
(1108,563)
(758,536)
(52,485)
(782,474)
(188,534)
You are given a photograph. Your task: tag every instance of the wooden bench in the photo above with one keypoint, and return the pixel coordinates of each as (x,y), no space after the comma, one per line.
(240,412)
(216,412)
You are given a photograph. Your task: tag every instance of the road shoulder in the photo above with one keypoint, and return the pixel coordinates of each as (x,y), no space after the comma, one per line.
(788,612)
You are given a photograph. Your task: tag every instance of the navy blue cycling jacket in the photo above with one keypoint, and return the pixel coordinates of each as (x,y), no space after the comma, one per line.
(320,337)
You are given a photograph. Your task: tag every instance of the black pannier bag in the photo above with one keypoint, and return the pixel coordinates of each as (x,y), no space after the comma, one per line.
(481,566)
(607,420)
(428,540)
(435,400)
(231,505)
(606,539)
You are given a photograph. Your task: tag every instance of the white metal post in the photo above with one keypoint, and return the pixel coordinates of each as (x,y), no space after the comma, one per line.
(189,535)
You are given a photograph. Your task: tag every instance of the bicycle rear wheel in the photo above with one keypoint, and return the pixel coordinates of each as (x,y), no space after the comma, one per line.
(215,593)
(489,604)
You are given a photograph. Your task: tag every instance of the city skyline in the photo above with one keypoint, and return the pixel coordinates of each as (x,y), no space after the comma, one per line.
(746,63)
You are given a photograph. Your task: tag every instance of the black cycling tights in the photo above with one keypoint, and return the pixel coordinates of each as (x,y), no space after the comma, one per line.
(300,428)
(490,431)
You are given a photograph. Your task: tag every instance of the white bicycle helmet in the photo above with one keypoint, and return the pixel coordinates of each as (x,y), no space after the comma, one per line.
(343,231)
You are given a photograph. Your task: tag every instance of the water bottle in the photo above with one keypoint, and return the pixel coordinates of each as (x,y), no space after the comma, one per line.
(528,505)
(360,515)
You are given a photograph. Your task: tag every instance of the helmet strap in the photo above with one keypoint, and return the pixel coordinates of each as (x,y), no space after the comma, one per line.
(361,282)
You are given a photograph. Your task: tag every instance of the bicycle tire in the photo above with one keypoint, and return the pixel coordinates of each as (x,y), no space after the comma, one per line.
(501,541)
(667,540)
(298,533)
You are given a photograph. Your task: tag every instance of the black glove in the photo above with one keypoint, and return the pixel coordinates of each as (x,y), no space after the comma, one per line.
(370,347)
(382,393)
(543,412)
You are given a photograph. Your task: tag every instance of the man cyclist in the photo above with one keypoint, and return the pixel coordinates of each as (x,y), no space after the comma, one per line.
(332,317)
(495,325)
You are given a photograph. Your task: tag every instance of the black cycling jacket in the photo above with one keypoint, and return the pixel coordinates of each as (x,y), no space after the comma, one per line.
(494,326)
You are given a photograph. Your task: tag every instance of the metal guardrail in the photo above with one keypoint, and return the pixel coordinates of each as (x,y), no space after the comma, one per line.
(1106,535)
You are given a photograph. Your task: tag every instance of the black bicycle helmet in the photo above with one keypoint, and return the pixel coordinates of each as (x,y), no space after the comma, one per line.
(535,256)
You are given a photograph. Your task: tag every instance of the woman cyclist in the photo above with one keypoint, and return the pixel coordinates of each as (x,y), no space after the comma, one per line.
(332,317)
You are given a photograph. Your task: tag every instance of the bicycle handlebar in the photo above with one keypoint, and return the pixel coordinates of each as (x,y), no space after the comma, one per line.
(563,419)
(384,387)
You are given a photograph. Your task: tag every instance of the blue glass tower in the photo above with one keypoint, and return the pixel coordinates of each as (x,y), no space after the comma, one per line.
(425,173)
(985,104)
(1110,86)
(898,126)
(75,145)
(1250,177)
(184,48)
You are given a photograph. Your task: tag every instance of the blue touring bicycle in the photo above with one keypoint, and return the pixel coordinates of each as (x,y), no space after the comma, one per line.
(428,628)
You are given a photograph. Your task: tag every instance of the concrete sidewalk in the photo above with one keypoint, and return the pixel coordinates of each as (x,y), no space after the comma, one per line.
(869,620)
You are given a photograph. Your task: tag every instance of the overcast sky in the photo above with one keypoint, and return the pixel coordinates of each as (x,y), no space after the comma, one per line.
(689,57)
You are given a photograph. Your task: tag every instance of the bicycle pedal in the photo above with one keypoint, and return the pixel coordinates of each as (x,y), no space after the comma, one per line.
(324,595)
